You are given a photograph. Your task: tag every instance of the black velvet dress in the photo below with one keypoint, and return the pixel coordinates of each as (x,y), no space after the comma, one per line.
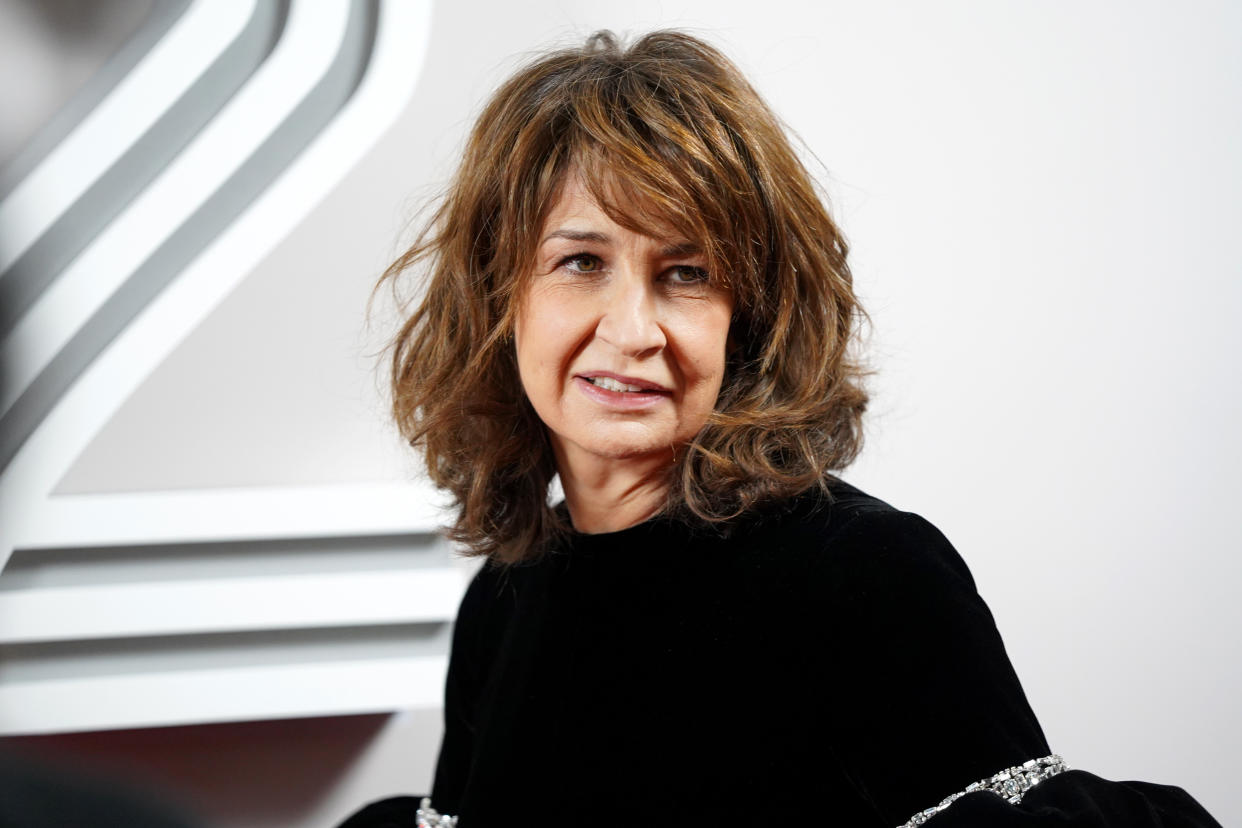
(825,662)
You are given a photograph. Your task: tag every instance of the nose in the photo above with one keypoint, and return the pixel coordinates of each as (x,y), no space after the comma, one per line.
(629,319)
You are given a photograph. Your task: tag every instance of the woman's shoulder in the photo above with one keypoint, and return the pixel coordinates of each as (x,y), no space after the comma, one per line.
(828,510)
(843,530)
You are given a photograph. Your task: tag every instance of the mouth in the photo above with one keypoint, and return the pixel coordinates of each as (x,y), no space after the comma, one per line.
(623,385)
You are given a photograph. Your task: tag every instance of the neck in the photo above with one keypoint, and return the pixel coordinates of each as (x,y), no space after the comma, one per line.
(605,495)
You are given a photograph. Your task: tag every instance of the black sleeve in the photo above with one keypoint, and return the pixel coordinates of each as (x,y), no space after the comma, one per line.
(927,701)
(1082,800)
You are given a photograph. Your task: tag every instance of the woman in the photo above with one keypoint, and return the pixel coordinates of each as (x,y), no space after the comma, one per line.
(635,288)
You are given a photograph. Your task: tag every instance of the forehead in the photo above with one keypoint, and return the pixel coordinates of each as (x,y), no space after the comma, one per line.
(573,201)
(580,204)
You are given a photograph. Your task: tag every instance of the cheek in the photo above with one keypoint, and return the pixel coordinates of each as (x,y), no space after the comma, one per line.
(525,348)
(542,339)
(533,345)
(709,345)
(528,326)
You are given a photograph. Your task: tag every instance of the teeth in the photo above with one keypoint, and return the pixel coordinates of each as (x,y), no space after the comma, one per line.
(612,385)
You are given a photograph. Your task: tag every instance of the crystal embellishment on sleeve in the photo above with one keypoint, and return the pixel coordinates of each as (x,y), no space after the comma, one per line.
(1010,784)
(429,817)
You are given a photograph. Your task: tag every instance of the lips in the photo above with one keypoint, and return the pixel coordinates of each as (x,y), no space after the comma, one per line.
(618,383)
(621,394)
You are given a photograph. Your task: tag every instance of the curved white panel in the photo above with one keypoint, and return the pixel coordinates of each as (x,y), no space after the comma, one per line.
(185,52)
(201,696)
(231,604)
(34,518)
(232,515)
(301,58)
(159,692)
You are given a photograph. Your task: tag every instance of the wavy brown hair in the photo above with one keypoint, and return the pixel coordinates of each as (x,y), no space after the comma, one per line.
(669,137)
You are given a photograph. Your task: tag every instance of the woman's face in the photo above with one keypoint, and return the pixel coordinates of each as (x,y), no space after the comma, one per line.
(620,339)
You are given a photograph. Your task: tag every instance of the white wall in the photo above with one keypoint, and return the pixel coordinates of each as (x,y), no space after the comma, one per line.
(1042,200)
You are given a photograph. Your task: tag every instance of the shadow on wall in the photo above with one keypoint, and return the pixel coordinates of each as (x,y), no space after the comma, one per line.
(269,773)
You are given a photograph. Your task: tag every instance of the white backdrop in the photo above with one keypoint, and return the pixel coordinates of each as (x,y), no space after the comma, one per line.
(1042,200)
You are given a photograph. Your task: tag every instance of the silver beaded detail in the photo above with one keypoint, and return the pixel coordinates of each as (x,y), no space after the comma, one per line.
(429,817)
(1011,784)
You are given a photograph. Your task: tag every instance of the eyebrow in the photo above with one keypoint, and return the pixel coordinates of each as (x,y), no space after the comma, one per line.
(674,251)
(671,251)
(577,235)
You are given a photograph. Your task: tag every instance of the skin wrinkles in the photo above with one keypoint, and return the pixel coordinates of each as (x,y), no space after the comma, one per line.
(604,301)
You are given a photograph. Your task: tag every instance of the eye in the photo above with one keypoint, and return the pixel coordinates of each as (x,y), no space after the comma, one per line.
(686,274)
(582,263)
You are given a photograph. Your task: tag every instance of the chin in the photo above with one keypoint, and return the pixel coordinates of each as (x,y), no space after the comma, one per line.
(631,451)
(626,447)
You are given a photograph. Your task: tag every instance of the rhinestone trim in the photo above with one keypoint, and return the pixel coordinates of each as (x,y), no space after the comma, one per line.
(429,817)
(1011,784)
